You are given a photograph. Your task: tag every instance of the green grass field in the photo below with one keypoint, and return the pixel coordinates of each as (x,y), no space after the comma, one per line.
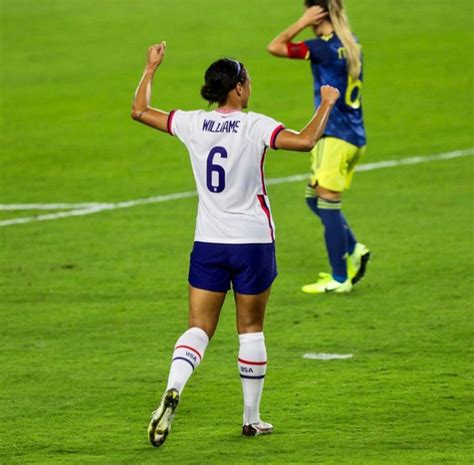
(92,305)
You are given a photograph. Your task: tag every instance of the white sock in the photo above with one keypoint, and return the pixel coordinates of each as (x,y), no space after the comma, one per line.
(252,367)
(187,355)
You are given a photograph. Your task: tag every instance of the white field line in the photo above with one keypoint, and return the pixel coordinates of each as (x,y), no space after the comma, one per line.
(81,209)
(313,356)
(385,164)
(50,206)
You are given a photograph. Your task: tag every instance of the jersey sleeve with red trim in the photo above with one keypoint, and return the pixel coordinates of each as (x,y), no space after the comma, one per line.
(265,129)
(170,122)
(180,123)
(298,50)
(177,123)
(274,135)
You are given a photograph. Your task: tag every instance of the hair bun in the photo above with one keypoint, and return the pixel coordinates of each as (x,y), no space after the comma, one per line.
(220,78)
(209,94)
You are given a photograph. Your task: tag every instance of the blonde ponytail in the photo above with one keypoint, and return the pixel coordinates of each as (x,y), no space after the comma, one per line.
(340,23)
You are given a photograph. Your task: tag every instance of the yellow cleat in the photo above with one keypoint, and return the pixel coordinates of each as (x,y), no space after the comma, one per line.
(357,263)
(327,283)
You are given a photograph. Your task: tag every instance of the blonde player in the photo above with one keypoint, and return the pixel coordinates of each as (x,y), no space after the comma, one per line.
(235,233)
(336,60)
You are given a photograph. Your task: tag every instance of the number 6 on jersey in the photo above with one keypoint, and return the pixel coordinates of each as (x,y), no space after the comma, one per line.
(215,173)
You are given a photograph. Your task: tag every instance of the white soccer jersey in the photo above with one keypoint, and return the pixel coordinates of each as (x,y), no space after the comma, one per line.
(227,152)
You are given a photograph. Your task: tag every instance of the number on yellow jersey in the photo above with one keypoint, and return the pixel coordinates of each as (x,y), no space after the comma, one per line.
(353,92)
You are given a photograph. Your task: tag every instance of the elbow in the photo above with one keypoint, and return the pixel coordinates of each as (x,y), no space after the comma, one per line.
(278,49)
(307,145)
(136,114)
(272,49)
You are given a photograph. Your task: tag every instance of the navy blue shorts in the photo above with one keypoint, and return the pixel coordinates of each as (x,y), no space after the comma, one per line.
(251,268)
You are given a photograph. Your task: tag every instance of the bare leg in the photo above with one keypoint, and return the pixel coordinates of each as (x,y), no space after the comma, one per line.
(204,309)
(251,311)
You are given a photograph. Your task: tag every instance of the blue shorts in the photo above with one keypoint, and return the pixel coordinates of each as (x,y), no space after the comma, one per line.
(251,268)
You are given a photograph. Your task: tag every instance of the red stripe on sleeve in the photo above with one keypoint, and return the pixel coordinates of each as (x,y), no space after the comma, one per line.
(298,50)
(275,133)
(170,120)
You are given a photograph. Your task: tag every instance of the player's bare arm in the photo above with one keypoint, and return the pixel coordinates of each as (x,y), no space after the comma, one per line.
(305,140)
(141,109)
(311,17)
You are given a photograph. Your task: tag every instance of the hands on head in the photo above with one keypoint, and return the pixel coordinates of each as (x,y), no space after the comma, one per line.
(313,16)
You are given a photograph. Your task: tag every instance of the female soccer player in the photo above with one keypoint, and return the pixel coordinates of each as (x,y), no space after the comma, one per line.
(335,60)
(235,233)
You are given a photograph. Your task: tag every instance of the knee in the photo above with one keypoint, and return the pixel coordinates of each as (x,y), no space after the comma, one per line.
(249,327)
(250,322)
(206,326)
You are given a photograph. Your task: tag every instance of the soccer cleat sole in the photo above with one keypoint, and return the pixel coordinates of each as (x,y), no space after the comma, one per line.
(364,259)
(162,418)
